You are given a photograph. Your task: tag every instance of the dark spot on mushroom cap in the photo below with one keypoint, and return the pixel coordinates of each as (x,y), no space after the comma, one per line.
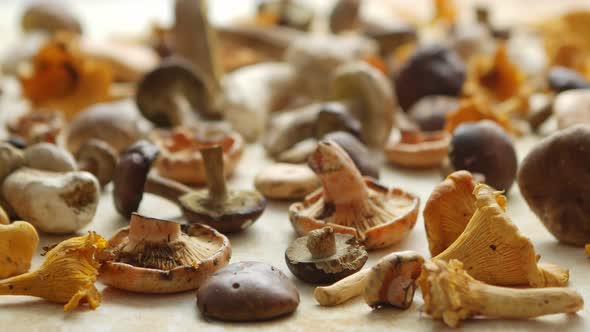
(431,70)
(130,176)
(562,79)
(484,147)
(493,247)
(429,113)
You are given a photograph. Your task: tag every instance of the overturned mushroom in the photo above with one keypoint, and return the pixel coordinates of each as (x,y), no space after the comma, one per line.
(351,204)
(415,149)
(324,257)
(159,256)
(389,282)
(453,295)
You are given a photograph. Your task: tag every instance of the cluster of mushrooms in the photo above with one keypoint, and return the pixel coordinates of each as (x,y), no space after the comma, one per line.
(171,114)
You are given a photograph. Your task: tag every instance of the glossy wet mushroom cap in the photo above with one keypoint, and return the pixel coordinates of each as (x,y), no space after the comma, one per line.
(166,93)
(130,176)
(324,257)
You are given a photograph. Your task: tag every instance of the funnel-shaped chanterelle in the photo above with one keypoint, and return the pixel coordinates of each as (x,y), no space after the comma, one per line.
(158,256)
(351,204)
(453,295)
(491,247)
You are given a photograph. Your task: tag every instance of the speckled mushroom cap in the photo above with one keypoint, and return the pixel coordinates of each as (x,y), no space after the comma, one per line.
(158,256)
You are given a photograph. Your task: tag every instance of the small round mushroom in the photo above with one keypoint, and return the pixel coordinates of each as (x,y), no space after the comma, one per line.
(49,157)
(442,66)
(49,16)
(324,257)
(286,181)
(159,256)
(225,210)
(572,107)
(553,180)
(170,94)
(561,79)
(247,291)
(99,158)
(484,147)
(429,113)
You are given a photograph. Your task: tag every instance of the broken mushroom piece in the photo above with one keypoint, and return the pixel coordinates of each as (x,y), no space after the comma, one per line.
(159,256)
(286,181)
(415,149)
(491,237)
(98,158)
(453,295)
(180,159)
(173,93)
(247,291)
(324,257)
(351,204)
(223,209)
(552,180)
(389,282)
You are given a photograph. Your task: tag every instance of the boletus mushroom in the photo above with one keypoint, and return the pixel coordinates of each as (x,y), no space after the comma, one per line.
(325,257)
(159,256)
(351,204)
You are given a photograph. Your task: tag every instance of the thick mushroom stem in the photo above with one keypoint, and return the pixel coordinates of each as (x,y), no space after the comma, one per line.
(321,242)
(342,290)
(452,295)
(213,160)
(144,229)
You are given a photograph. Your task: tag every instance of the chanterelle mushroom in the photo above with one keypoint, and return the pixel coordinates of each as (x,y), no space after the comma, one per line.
(351,204)
(158,256)
(325,257)
(453,295)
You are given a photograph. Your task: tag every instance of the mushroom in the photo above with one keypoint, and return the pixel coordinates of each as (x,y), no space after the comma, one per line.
(416,149)
(159,256)
(344,16)
(286,181)
(389,282)
(99,158)
(53,202)
(366,163)
(50,17)
(561,79)
(247,291)
(552,181)
(180,159)
(37,126)
(489,236)
(443,67)
(18,241)
(49,157)
(226,211)
(351,204)
(11,159)
(429,112)
(286,13)
(170,94)
(572,107)
(324,257)
(453,295)
(484,147)
(118,124)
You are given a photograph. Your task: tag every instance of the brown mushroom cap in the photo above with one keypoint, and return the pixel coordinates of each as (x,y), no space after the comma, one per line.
(98,158)
(346,257)
(158,256)
(414,149)
(247,291)
(286,181)
(161,92)
(367,164)
(553,179)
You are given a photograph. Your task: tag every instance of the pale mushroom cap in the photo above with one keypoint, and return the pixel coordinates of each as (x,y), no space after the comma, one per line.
(572,107)
(11,158)
(286,181)
(49,157)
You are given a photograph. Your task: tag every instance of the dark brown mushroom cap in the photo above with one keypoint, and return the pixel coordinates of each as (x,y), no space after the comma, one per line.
(238,210)
(357,151)
(247,291)
(130,176)
(484,147)
(159,90)
(334,117)
(554,178)
(349,258)
(98,158)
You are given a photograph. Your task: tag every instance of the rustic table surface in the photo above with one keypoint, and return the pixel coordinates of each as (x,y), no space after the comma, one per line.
(267,239)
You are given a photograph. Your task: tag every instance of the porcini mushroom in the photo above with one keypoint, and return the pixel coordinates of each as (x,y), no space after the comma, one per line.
(351,204)
(489,236)
(389,282)
(286,181)
(159,256)
(173,92)
(99,158)
(324,257)
(452,295)
(552,180)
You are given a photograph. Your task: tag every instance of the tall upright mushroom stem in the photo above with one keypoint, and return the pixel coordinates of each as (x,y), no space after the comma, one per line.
(144,229)
(213,160)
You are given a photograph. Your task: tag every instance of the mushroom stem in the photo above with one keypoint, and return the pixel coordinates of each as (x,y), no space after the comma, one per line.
(321,242)
(166,188)
(144,229)
(451,294)
(352,106)
(213,160)
(343,290)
